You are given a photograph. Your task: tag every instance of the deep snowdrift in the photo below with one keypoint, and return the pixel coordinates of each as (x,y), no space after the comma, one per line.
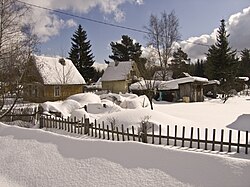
(31,157)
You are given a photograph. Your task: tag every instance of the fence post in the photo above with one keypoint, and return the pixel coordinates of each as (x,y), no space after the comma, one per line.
(206,135)
(191,138)
(246,151)
(68,124)
(168,135)
(160,134)
(133,133)
(65,124)
(183,136)
(71,125)
(117,132)
(103,131)
(153,133)
(221,141)
(112,131)
(108,131)
(139,136)
(91,125)
(99,128)
(41,122)
(50,122)
(230,141)
(198,137)
(128,134)
(238,144)
(86,126)
(123,138)
(95,128)
(81,124)
(75,125)
(144,132)
(214,131)
(175,135)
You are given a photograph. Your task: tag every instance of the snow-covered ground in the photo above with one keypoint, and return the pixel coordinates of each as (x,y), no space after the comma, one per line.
(35,157)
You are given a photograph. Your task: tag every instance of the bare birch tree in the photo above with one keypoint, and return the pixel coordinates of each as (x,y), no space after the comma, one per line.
(16,46)
(163,32)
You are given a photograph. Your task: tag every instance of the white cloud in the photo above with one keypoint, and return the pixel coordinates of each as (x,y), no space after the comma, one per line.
(238,26)
(47,24)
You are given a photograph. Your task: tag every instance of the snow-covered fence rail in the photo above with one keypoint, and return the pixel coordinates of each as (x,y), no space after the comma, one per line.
(112,132)
(24,114)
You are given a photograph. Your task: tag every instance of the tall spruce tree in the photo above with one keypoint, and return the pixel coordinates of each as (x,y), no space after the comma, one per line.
(80,54)
(244,69)
(179,63)
(222,62)
(125,50)
(199,68)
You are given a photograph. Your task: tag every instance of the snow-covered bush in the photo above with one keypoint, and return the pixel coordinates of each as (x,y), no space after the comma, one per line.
(138,102)
(85,98)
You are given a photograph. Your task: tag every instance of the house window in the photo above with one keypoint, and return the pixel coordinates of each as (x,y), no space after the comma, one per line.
(35,91)
(29,90)
(57,91)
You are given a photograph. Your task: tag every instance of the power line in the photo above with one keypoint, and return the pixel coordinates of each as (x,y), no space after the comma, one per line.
(101,22)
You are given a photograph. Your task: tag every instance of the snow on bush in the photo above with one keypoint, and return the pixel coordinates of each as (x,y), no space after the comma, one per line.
(79,114)
(115,98)
(136,102)
(129,95)
(70,105)
(102,108)
(134,118)
(129,101)
(85,98)
(64,107)
(50,106)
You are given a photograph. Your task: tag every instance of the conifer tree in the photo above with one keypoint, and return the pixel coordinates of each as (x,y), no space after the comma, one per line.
(80,54)
(125,50)
(199,68)
(179,63)
(244,69)
(222,62)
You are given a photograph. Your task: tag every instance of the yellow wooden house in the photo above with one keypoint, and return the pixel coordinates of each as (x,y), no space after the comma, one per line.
(51,79)
(119,75)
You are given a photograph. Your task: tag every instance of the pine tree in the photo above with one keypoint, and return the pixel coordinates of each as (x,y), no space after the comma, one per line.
(222,62)
(125,50)
(80,54)
(244,69)
(199,68)
(178,63)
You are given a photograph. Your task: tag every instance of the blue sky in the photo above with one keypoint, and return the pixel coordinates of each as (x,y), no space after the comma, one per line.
(198,18)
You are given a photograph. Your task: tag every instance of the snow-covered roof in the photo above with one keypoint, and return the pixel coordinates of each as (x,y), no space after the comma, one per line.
(191,79)
(213,82)
(150,84)
(117,71)
(244,78)
(54,72)
(165,85)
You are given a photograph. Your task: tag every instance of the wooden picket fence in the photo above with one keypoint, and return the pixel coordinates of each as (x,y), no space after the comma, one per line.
(24,114)
(112,132)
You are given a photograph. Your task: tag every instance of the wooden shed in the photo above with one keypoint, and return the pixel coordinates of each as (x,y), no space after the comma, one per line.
(191,88)
(51,79)
(187,89)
